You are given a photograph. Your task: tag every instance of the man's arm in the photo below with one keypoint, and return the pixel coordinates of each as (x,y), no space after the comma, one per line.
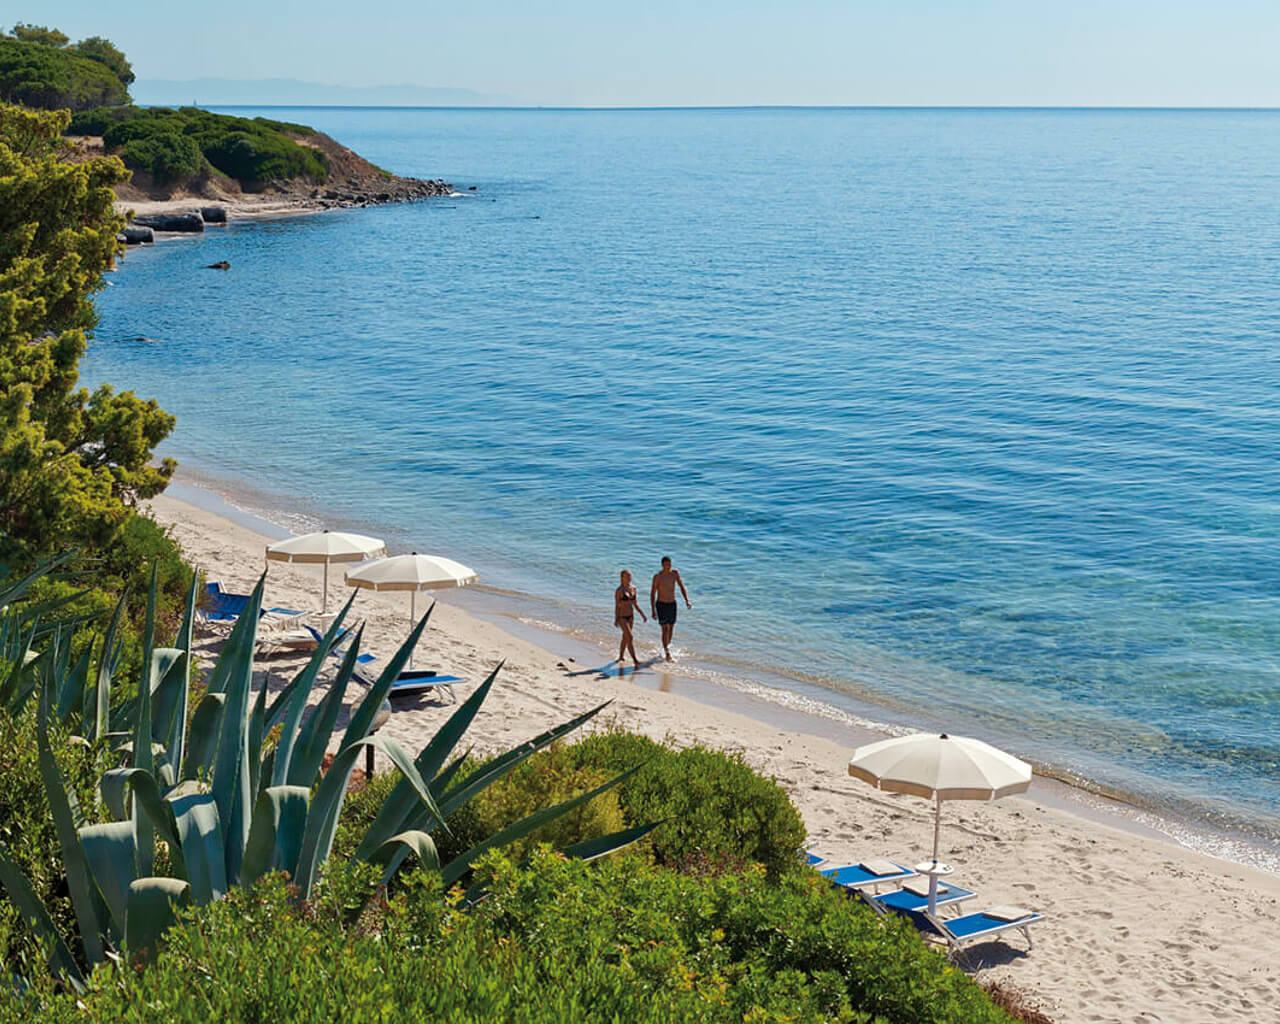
(682,590)
(653,596)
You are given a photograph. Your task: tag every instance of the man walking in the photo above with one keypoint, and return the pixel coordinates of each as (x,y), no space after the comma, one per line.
(662,601)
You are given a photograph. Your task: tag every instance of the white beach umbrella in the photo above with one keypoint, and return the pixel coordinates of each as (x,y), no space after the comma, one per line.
(323,548)
(414,573)
(940,767)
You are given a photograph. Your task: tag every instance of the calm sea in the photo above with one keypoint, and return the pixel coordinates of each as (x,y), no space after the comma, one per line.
(973,416)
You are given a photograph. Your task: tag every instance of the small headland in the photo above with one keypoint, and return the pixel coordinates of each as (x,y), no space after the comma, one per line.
(217,171)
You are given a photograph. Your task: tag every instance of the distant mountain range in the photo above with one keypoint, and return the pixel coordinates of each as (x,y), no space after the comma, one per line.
(222,92)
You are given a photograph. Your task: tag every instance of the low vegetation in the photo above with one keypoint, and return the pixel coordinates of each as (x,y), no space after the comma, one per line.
(179,145)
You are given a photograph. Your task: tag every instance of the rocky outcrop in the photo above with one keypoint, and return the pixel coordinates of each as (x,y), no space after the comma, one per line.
(214,214)
(188,221)
(137,235)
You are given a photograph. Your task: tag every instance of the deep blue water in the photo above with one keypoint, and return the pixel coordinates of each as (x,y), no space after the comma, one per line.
(974,412)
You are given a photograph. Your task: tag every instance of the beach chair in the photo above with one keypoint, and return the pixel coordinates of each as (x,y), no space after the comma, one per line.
(958,932)
(282,640)
(867,874)
(913,897)
(219,609)
(410,681)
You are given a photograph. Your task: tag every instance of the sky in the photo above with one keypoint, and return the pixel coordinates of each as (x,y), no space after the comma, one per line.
(716,52)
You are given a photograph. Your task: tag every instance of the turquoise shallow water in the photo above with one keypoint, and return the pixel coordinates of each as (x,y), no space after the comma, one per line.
(972,413)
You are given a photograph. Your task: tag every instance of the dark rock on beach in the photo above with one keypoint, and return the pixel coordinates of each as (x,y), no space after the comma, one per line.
(186,222)
(214,214)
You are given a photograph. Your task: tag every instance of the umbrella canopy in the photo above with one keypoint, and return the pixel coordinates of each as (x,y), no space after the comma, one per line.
(325,547)
(940,768)
(413,573)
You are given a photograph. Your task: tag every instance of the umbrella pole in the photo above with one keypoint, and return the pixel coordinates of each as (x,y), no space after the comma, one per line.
(324,604)
(933,875)
(413,614)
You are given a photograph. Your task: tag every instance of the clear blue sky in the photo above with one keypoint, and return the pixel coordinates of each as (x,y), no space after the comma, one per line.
(659,52)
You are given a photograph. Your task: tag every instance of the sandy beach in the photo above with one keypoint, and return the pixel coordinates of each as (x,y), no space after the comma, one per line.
(1137,929)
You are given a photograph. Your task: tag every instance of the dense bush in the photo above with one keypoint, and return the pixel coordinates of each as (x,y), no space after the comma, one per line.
(39,75)
(251,150)
(558,941)
(711,802)
(168,158)
(263,156)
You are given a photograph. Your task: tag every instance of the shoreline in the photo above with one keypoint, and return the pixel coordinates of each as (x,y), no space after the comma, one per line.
(1100,955)
(770,697)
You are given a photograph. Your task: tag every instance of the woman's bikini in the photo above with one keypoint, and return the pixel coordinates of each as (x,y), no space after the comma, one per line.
(631,597)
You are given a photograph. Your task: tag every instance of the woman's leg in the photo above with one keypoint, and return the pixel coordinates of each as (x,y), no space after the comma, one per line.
(622,644)
(631,644)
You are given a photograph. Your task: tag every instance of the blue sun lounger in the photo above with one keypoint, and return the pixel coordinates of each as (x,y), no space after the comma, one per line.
(914,897)
(410,680)
(868,874)
(959,932)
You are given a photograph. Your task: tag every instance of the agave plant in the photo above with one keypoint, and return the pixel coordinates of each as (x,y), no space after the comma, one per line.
(227,806)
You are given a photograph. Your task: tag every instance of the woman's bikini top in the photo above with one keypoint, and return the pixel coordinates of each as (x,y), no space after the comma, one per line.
(629,595)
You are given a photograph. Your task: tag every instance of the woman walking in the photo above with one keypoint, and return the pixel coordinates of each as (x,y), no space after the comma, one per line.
(624,616)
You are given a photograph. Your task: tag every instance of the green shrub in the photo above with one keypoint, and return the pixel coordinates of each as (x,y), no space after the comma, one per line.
(168,158)
(97,120)
(263,157)
(711,802)
(558,941)
(550,777)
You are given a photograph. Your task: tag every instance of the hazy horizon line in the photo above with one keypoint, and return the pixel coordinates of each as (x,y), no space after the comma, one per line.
(742,106)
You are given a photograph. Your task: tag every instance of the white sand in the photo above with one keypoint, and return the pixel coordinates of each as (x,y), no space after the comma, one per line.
(1137,929)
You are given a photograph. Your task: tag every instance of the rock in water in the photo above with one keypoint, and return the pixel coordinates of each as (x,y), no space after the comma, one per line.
(220,265)
(137,236)
(188,222)
(214,214)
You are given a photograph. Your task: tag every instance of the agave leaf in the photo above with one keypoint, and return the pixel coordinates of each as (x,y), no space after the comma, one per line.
(602,846)
(322,818)
(362,718)
(309,747)
(203,844)
(67,820)
(230,779)
(402,802)
(254,739)
(275,837)
(459,866)
(107,662)
(168,688)
(71,696)
(181,690)
(24,898)
(114,786)
(111,851)
(298,691)
(202,743)
(143,758)
(394,850)
(151,903)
